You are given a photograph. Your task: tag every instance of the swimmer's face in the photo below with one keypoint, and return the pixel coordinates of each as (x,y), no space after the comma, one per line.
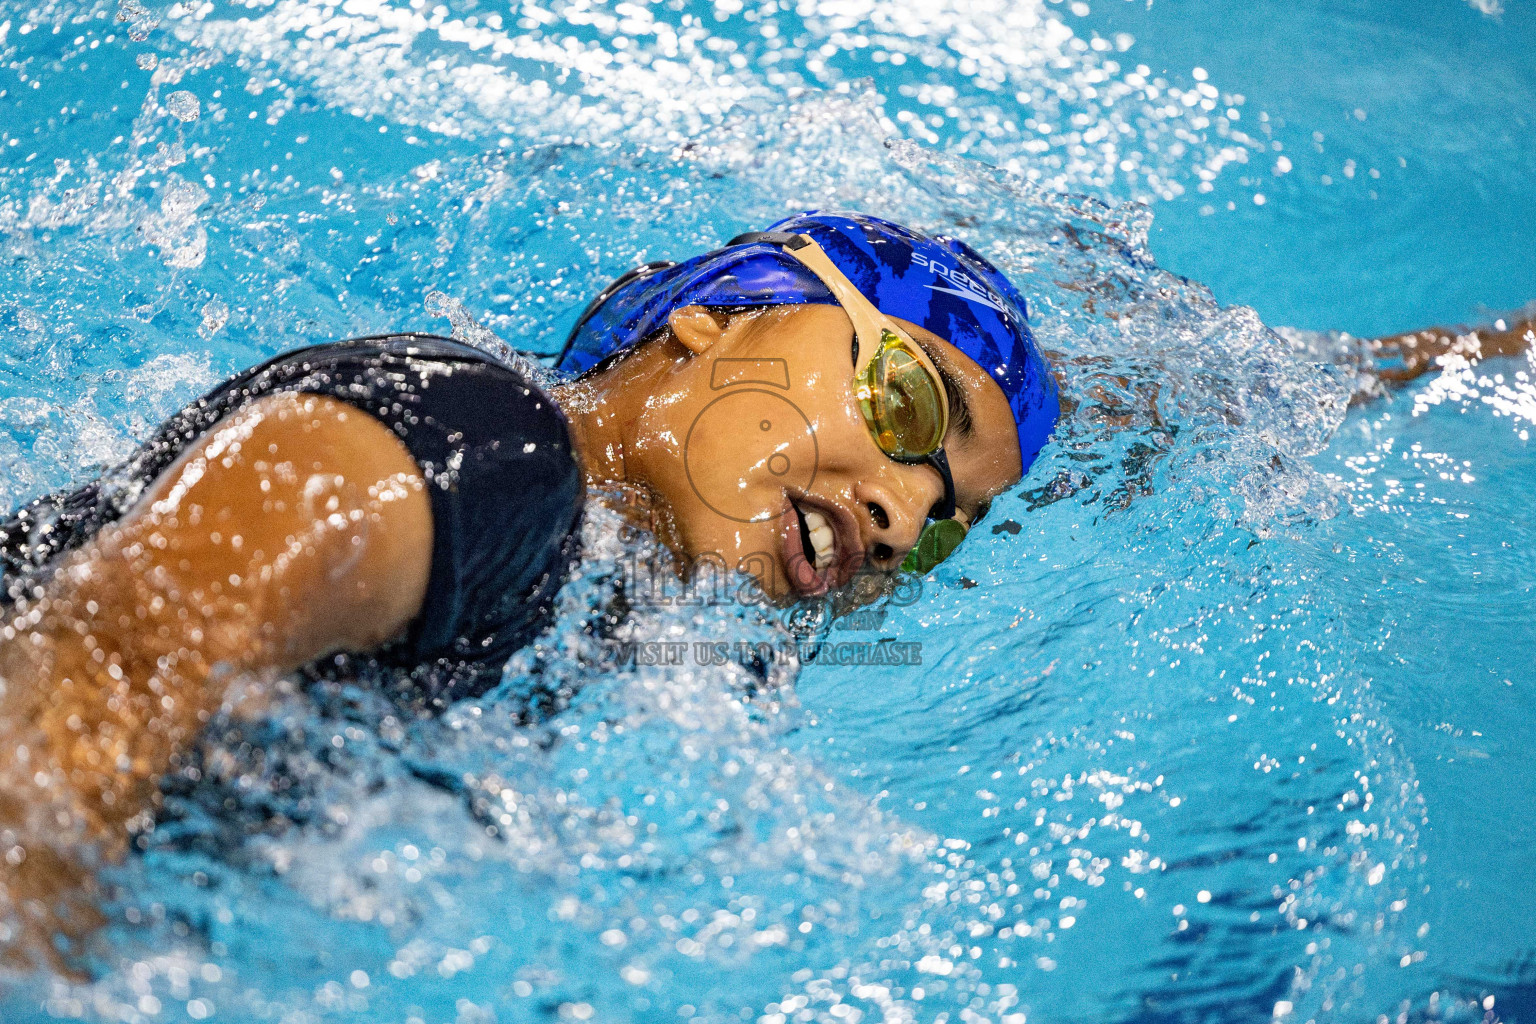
(751,438)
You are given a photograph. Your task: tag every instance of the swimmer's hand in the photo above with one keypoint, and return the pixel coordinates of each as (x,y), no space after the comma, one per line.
(1401,358)
(295,527)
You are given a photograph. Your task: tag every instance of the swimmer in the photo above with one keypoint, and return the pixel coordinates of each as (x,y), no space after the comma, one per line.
(835,395)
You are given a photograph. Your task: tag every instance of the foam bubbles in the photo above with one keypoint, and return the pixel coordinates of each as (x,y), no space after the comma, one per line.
(1008,81)
(177,229)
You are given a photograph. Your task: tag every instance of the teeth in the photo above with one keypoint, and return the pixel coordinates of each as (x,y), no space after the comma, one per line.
(822,538)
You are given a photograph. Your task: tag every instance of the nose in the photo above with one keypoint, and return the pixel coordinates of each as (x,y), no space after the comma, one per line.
(897,510)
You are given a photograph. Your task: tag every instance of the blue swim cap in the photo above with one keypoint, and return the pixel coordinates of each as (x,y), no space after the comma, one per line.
(938,283)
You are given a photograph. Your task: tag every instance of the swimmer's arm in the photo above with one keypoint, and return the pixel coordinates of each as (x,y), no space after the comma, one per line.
(1401,358)
(296,527)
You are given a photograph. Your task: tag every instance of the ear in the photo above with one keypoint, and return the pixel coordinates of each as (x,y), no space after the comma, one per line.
(696,327)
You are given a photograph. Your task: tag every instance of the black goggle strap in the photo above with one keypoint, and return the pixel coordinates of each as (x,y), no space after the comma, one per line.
(945,529)
(785,238)
(940,461)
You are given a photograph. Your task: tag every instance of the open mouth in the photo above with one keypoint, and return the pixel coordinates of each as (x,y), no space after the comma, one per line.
(818,541)
(821,545)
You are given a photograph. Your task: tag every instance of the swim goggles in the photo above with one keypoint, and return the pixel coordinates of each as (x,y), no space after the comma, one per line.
(899,391)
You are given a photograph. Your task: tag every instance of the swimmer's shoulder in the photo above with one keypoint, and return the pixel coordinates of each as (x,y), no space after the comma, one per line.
(440,396)
(503,481)
(505,489)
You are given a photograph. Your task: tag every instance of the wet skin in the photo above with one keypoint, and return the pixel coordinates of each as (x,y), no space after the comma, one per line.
(295,527)
(300,526)
(733,458)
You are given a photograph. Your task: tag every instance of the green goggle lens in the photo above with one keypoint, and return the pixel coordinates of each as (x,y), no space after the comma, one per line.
(901,402)
(937,542)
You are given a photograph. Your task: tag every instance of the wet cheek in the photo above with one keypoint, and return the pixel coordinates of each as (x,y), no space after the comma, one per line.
(845,444)
(751,548)
(746,449)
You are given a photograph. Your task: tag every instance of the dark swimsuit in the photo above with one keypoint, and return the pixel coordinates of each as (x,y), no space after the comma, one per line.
(506,495)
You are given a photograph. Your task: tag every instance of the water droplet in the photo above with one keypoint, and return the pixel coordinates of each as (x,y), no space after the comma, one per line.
(138,17)
(466,328)
(183,105)
(181,198)
(215,316)
(147,61)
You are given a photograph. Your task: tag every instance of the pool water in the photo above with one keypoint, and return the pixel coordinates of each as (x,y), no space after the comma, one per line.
(1225,714)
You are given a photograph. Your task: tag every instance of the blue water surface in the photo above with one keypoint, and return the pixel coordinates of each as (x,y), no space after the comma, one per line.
(1225,715)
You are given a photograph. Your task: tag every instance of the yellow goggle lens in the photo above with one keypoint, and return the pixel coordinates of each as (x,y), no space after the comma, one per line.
(901,401)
